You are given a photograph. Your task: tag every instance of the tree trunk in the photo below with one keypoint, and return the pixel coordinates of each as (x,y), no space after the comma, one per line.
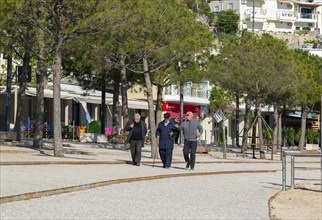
(237,121)
(124,87)
(40,75)
(115,109)
(159,104)
(148,85)
(303,127)
(21,113)
(276,128)
(246,124)
(260,133)
(58,147)
(103,103)
(279,140)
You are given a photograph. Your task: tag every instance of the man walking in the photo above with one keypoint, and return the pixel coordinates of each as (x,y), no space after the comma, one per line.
(165,135)
(137,130)
(191,131)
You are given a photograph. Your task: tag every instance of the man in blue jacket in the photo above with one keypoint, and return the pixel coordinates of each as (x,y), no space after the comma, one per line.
(164,134)
(191,131)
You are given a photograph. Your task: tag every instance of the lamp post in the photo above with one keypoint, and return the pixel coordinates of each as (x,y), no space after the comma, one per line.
(181,110)
(181,101)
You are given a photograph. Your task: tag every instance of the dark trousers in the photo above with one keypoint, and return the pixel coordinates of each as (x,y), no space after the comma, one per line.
(136,146)
(190,147)
(166,156)
(176,138)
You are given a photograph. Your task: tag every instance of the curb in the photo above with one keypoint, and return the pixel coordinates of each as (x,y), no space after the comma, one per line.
(22,163)
(35,163)
(39,194)
(270,206)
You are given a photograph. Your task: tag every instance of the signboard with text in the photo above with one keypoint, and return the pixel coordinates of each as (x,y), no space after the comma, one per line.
(176,108)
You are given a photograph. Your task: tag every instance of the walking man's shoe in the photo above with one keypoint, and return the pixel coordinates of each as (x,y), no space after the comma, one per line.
(187,166)
(192,169)
(167,167)
(138,164)
(133,163)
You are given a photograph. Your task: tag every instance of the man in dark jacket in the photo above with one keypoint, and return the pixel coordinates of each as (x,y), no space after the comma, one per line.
(191,131)
(136,137)
(165,135)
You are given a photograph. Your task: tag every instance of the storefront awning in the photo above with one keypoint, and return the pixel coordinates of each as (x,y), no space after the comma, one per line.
(48,93)
(308,4)
(79,95)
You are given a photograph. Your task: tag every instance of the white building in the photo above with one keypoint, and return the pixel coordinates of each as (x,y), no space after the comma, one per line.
(274,16)
(196,100)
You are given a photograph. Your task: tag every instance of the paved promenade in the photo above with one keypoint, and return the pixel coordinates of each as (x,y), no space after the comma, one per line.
(234,188)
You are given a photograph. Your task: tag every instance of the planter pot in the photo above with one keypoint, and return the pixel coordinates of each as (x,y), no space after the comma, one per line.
(92,138)
(312,147)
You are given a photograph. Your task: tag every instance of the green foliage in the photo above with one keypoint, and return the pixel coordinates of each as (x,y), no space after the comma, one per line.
(302,32)
(227,22)
(314,41)
(220,137)
(260,68)
(297,136)
(204,9)
(268,135)
(291,136)
(2,81)
(94,127)
(312,136)
(199,6)
(220,99)
(309,66)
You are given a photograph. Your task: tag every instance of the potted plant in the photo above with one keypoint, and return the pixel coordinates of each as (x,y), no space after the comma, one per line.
(312,139)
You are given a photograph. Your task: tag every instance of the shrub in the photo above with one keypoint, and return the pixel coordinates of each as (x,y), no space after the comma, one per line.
(312,136)
(268,136)
(94,127)
(290,136)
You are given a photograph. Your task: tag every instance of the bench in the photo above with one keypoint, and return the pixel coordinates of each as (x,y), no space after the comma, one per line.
(8,136)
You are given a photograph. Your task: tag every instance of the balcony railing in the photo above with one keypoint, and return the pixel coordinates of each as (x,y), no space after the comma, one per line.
(307,15)
(203,94)
(293,16)
(259,13)
(285,14)
(197,93)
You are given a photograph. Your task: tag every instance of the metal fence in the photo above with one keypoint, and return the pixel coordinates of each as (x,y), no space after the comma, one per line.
(293,155)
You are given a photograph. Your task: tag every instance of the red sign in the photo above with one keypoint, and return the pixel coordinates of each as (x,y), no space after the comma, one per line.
(176,108)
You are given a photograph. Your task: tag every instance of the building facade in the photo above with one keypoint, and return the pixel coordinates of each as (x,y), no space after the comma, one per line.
(196,100)
(277,16)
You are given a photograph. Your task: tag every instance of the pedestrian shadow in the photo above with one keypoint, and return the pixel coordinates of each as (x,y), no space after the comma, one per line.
(125,161)
(161,166)
(151,165)
(43,154)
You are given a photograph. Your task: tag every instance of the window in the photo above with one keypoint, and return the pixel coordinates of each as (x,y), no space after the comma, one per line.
(216,9)
(173,90)
(203,85)
(187,89)
(306,13)
(230,6)
(203,90)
